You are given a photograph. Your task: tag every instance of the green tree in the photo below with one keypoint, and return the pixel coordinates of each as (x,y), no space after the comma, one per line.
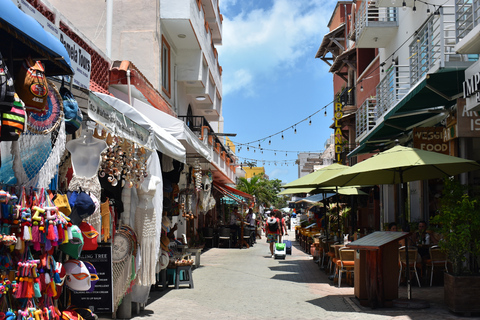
(264,190)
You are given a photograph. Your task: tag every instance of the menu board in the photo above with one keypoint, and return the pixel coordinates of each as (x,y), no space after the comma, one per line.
(101,299)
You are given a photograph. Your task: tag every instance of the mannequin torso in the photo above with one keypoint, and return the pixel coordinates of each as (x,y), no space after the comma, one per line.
(86,154)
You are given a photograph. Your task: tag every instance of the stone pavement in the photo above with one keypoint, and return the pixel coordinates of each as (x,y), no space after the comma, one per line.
(249,284)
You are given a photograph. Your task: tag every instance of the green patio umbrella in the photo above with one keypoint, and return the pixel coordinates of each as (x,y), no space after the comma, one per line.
(399,165)
(296,190)
(314,179)
(402,164)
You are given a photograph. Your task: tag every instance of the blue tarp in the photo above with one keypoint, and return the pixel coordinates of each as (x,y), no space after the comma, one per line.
(28,38)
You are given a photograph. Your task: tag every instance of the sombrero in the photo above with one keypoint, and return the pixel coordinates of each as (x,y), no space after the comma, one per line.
(50,118)
(164,260)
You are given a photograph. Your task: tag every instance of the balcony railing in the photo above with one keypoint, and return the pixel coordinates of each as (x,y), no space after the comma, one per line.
(394,85)
(467,16)
(365,117)
(347,97)
(371,16)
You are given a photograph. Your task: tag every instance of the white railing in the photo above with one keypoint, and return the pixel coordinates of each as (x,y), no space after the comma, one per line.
(467,16)
(392,88)
(370,15)
(434,44)
(365,117)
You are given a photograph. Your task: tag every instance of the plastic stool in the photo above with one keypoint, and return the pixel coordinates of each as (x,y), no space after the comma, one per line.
(186,276)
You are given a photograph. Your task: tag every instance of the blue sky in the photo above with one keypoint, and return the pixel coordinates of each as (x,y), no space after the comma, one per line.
(271,79)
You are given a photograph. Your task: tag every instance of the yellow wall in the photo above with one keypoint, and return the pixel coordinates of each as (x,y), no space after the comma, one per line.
(254,171)
(230,144)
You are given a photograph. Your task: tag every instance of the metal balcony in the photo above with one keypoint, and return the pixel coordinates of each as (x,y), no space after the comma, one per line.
(392,88)
(365,118)
(375,26)
(467,18)
(347,97)
(434,46)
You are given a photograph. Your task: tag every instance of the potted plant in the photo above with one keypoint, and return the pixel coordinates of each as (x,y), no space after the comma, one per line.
(459,225)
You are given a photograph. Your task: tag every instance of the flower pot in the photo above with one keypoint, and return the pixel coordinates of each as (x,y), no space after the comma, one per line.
(461,293)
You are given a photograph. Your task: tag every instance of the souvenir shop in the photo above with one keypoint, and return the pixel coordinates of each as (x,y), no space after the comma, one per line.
(79,230)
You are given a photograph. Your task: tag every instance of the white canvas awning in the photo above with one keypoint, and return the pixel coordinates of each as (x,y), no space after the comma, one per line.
(159,140)
(176,128)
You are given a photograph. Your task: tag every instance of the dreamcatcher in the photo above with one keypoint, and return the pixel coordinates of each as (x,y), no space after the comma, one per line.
(35,156)
(124,250)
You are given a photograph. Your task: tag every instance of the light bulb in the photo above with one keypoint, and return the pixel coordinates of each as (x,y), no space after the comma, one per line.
(282,136)
(248,148)
(325,113)
(269,142)
(310,122)
(404,5)
(295,131)
(361,88)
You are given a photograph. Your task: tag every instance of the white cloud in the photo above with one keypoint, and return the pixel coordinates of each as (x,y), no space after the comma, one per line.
(259,43)
(278,173)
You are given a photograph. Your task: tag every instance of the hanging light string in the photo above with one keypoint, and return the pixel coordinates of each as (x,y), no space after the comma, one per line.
(273,150)
(367,76)
(293,126)
(249,162)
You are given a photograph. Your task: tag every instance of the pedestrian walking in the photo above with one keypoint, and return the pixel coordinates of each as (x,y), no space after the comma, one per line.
(283,228)
(272,230)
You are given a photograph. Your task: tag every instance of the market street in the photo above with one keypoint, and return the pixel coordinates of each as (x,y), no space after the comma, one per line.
(249,284)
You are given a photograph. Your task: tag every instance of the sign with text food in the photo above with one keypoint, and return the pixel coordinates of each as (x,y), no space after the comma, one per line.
(100,300)
(430,139)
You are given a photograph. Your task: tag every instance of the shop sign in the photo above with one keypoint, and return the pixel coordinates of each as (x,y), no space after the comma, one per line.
(471,87)
(430,139)
(338,131)
(468,121)
(101,299)
(103,113)
(79,58)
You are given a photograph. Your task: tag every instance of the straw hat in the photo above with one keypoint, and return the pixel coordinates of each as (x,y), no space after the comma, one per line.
(164,259)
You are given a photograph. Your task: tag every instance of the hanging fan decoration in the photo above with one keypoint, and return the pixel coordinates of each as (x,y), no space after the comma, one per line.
(37,153)
(48,120)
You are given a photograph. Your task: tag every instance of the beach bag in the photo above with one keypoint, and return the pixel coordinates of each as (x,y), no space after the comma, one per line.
(7,88)
(272,224)
(31,86)
(13,120)
(73,115)
(61,202)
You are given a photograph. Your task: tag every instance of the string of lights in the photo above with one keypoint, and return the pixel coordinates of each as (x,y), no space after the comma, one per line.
(275,151)
(249,145)
(252,162)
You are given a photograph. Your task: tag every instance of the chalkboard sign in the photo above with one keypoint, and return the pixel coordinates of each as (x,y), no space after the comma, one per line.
(101,299)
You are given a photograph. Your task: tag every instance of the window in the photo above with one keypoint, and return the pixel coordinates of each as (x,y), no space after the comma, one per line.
(166,82)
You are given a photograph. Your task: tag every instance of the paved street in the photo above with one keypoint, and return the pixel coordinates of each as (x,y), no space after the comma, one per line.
(249,284)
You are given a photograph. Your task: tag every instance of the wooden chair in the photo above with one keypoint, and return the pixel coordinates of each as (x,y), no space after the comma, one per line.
(346,263)
(412,262)
(437,259)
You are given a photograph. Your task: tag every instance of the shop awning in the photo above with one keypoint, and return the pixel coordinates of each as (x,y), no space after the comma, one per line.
(176,128)
(133,125)
(232,193)
(422,105)
(25,37)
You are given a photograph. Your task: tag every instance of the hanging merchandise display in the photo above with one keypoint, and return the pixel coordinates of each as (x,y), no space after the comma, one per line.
(122,161)
(124,252)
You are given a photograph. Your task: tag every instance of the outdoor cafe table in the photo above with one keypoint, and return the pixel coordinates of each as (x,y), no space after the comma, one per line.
(376,268)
